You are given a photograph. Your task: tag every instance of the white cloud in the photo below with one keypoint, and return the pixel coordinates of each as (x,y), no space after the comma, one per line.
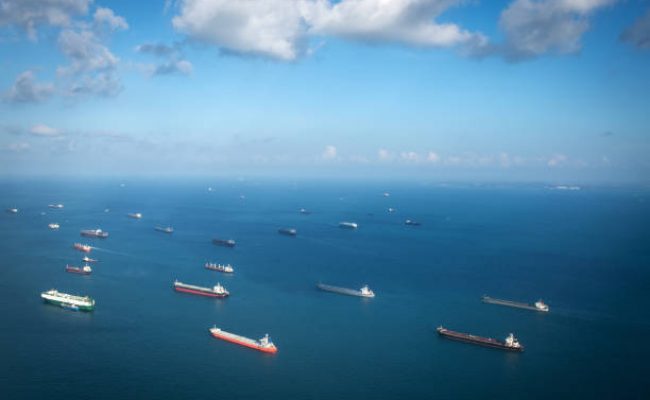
(44,130)
(280,29)
(173,60)
(410,156)
(384,155)
(639,33)
(108,17)
(26,90)
(557,160)
(18,147)
(533,28)
(329,153)
(29,14)
(433,157)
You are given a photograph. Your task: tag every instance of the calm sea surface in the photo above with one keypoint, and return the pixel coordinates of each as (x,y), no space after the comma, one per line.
(586,253)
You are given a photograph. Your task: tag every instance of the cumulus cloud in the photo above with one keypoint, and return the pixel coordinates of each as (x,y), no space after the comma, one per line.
(410,156)
(533,28)
(329,153)
(433,157)
(639,33)
(92,68)
(29,14)
(44,130)
(384,155)
(173,60)
(26,90)
(557,160)
(280,29)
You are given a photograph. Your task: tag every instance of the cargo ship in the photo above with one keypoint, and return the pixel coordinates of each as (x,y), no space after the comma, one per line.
(68,301)
(287,231)
(411,222)
(348,225)
(224,242)
(165,229)
(53,226)
(88,259)
(82,247)
(510,343)
(134,215)
(216,291)
(304,211)
(12,210)
(264,344)
(228,269)
(391,210)
(96,233)
(363,292)
(537,306)
(85,270)
(59,206)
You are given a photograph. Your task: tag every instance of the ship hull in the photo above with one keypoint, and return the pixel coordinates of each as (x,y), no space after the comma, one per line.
(344,291)
(477,340)
(94,235)
(223,243)
(227,338)
(69,306)
(218,270)
(76,271)
(512,304)
(199,292)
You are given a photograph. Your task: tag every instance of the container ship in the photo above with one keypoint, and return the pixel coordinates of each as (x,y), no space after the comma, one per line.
(164,229)
(264,344)
(82,247)
(348,225)
(68,301)
(58,206)
(134,215)
(537,306)
(85,270)
(363,292)
(287,231)
(96,233)
(411,222)
(216,291)
(224,242)
(510,343)
(88,259)
(228,269)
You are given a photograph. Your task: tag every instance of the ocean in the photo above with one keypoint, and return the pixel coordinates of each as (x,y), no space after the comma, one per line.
(586,253)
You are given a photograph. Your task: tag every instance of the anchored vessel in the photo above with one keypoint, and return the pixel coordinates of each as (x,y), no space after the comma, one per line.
(53,226)
(264,344)
(216,291)
(55,205)
(537,306)
(363,292)
(348,225)
(134,215)
(85,270)
(96,233)
(510,343)
(12,210)
(304,211)
(166,229)
(287,231)
(82,247)
(224,242)
(68,301)
(88,259)
(220,267)
(411,222)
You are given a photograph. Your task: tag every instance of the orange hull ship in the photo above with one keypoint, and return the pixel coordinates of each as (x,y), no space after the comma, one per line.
(264,345)
(82,247)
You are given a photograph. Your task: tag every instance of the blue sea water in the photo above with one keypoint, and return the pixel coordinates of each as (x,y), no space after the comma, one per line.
(586,253)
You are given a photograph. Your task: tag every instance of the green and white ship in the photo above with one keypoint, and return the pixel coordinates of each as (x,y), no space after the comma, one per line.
(68,301)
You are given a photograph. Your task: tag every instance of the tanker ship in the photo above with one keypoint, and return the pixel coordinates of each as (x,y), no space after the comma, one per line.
(215,291)
(85,270)
(224,242)
(264,344)
(510,343)
(166,229)
(96,233)
(68,301)
(228,269)
(537,306)
(134,215)
(287,231)
(363,292)
(82,247)
(348,225)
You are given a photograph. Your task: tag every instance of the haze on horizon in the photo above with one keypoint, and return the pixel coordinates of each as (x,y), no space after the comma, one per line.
(512,90)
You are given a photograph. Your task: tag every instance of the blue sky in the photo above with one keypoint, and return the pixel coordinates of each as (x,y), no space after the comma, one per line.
(554,90)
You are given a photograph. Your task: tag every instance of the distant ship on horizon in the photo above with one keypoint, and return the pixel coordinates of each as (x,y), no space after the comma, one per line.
(166,229)
(537,306)
(95,233)
(348,225)
(363,292)
(134,215)
(224,242)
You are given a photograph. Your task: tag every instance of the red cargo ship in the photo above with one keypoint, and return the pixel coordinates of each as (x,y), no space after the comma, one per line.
(216,291)
(264,345)
(85,270)
(82,247)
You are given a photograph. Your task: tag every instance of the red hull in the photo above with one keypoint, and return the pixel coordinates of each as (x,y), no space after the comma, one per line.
(197,292)
(270,350)
(82,249)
